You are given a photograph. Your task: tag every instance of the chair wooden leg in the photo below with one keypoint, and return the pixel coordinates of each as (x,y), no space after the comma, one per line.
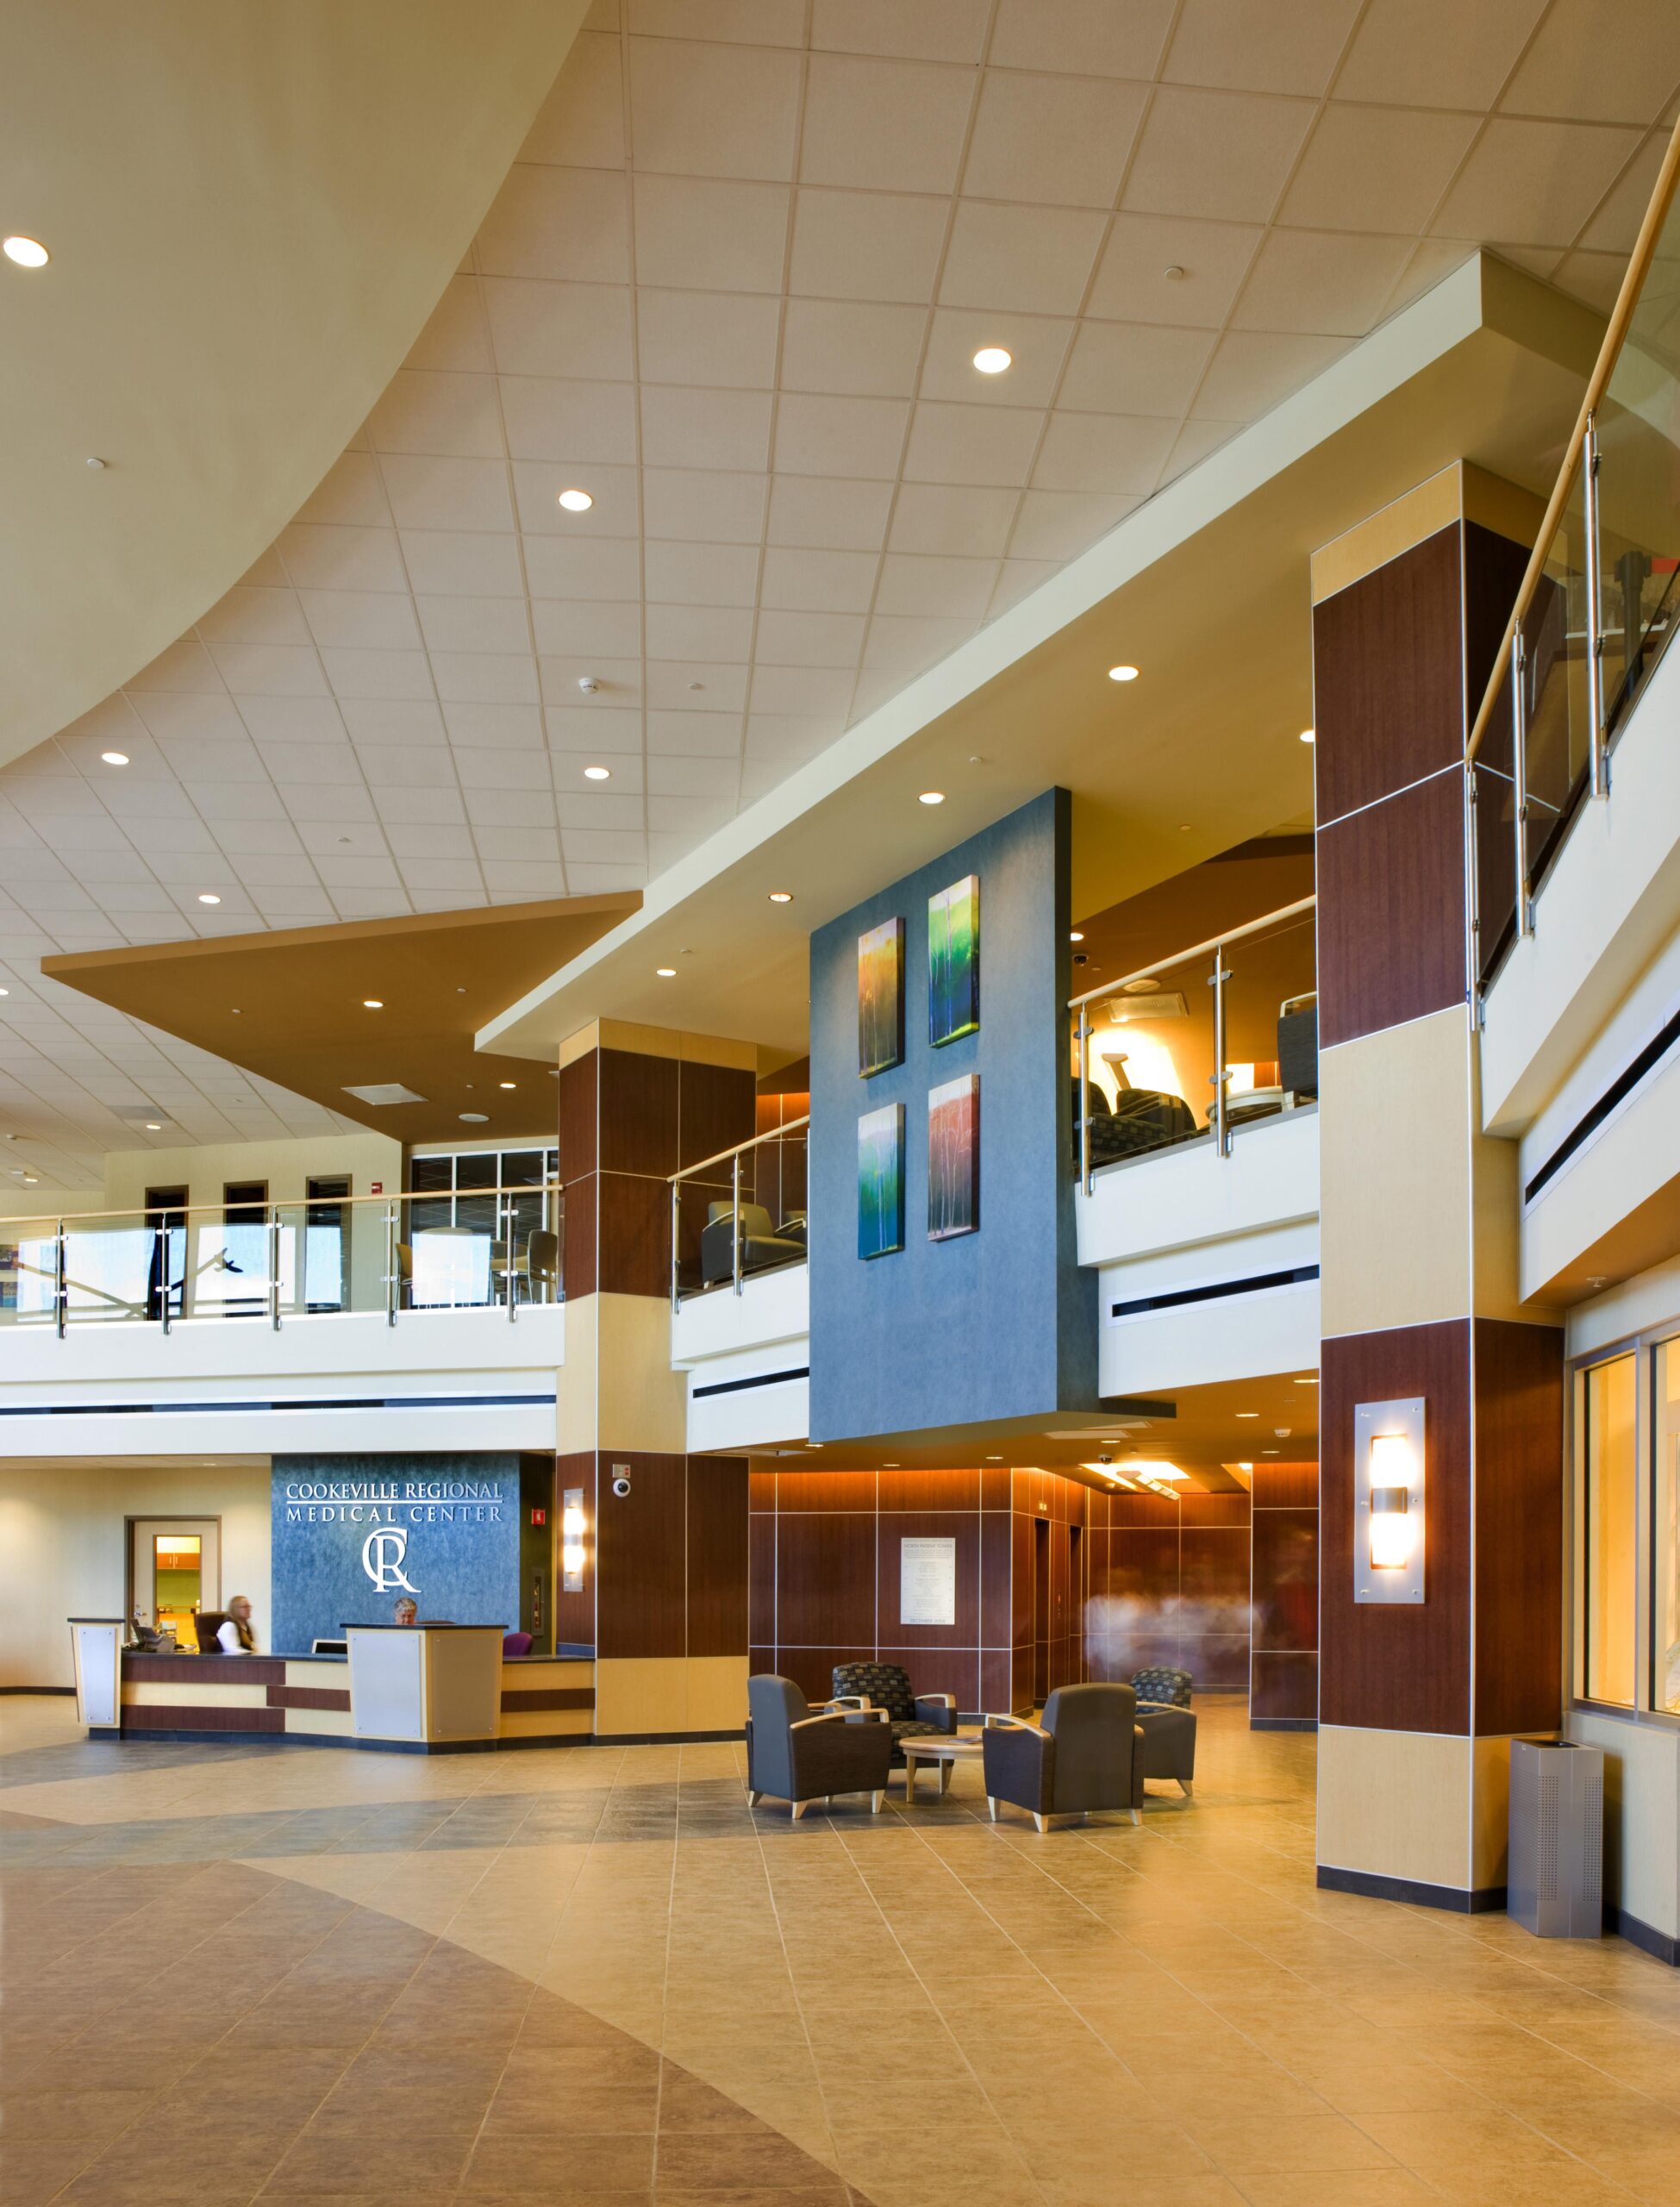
(1184,1788)
(1136,1815)
(799,1809)
(945,1768)
(877,1800)
(753,1798)
(1043,1823)
(991,1807)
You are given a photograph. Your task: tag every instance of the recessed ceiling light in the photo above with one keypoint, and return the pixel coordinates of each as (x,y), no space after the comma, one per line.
(1307,734)
(576,502)
(992,359)
(889,1467)
(1075,935)
(597,773)
(1268,1452)
(1309,1379)
(473,1118)
(1248,1413)
(114,758)
(208,896)
(780,896)
(27,253)
(1122,674)
(994,1459)
(373,1003)
(1245,1467)
(666,972)
(5,992)
(504,1083)
(155,1126)
(931,797)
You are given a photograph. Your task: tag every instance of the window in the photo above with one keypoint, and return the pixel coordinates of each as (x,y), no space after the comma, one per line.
(1607,1533)
(1665,1607)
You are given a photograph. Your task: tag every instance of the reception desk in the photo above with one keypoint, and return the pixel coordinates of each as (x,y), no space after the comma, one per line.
(422,1690)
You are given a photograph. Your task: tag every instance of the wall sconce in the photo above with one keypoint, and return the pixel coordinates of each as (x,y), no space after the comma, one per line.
(572,1541)
(1388,1501)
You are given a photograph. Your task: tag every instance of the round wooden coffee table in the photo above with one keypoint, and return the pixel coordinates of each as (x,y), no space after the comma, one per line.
(946,1748)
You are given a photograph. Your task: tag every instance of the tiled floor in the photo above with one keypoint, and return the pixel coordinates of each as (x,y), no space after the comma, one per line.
(592,1976)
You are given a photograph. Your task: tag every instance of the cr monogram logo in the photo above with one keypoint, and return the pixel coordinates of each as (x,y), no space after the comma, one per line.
(384,1552)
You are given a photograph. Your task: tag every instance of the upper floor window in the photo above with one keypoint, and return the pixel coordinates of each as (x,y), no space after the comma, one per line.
(1607,1534)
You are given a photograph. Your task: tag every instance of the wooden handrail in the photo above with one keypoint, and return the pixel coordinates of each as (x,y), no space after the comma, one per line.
(1615,336)
(259,1213)
(773,1134)
(1196,950)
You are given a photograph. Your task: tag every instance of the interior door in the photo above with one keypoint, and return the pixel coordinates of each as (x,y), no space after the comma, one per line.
(174,1571)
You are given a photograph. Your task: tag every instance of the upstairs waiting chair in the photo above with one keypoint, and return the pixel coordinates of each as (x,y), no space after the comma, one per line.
(887,1685)
(1086,1755)
(1168,1724)
(799,1754)
(536,1266)
(762,1244)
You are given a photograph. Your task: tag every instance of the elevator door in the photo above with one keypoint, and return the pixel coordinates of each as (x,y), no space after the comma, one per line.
(174,1571)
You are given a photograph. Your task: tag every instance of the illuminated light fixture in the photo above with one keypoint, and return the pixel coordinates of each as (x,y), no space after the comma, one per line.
(373,1003)
(992,359)
(208,896)
(666,972)
(780,896)
(114,758)
(5,992)
(1388,1497)
(27,253)
(1307,736)
(931,797)
(155,1126)
(1248,1413)
(576,502)
(1122,674)
(505,1084)
(1308,1379)
(1144,1468)
(597,773)
(1245,1467)
(1075,935)
(473,1118)
(572,1528)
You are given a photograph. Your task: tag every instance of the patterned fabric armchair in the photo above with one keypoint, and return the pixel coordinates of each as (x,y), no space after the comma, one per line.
(799,1754)
(886,1685)
(1168,1725)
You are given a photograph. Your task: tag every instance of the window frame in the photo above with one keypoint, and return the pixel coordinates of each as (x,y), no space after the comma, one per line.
(1644,1346)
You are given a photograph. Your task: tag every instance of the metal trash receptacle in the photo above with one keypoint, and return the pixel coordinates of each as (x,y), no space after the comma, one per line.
(1555,1881)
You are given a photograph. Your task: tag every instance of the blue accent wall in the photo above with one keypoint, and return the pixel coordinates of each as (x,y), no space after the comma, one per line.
(458,1520)
(994,1325)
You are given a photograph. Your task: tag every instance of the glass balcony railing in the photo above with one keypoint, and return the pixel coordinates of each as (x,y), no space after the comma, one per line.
(1196,1045)
(1598,602)
(498,1246)
(741,1212)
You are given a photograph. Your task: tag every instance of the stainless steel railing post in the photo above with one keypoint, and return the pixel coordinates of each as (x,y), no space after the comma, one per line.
(1086,1173)
(1519,778)
(737,1223)
(1599,780)
(391,1294)
(511,1275)
(163,1276)
(62,1281)
(1216,982)
(676,1222)
(274,1269)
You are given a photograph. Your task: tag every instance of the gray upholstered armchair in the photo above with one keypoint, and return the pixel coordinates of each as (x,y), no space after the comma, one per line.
(1086,1755)
(799,1754)
(887,1685)
(1168,1724)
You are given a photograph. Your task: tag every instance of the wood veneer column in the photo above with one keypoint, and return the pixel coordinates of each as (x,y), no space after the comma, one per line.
(664,1599)
(1420,1218)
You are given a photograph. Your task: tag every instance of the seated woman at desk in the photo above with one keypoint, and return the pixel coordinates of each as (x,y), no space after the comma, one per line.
(234,1634)
(407,1610)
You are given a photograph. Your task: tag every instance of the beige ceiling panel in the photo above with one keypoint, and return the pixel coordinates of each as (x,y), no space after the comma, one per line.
(1422,54)
(743,22)
(817,513)
(702,235)
(485,624)
(713,110)
(1534,183)
(358,620)
(1224,155)
(1133,283)
(908,643)
(427,492)
(352,493)
(1017,578)
(947,588)
(692,428)
(1122,454)
(1615,224)
(598,730)
(602,568)
(1037,343)
(849,437)
(971,444)
(944,518)
(270,670)
(1376,168)
(423,411)
(1594,277)
(934,30)
(691,685)
(456,335)
(1194,442)
(1135,368)
(1032,259)
(867,245)
(695,736)
(888,126)
(780,689)
(572,225)
(581,123)
(707,337)
(688,777)
(1108,38)
(560,329)
(549,419)
(329,559)
(255,616)
(1613,65)
(1256,45)
(828,346)
(1062,142)
(701,574)
(476,678)
(1253,370)
(1332,283)
(1061,525)
(703,633)
(599,631)
(463,563)
(809,582)
(809,639)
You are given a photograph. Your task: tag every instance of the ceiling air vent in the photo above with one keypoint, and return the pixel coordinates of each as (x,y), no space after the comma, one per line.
(383,1091)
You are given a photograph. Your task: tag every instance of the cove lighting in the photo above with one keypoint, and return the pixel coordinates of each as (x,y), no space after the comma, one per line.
(1122,674)
(576,502)
(931,797)
(1307,734)
(992,359)
(206,896)
(597,773)
(27,253)
(114,758)
(780,896)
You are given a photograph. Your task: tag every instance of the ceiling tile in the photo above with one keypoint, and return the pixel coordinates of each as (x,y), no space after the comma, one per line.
(1134,368)
(1594,277)
(427,412)
(1614,226)
(374,620)
(867,245)
(801,689)
(452,563)
(1533,183)
(560,329)
(484,624)
(1323,280)
(910,643)
(808,640)
(699,507)
(848,348)
(695,686)
(255,616)
(707,337)
(690,428)
(296,720)
(697,233)
(1115,452)
(581,123)
(1036,259)
(934,30)
(814,582)
(551,419)
(839,437)
(1108,38)
(695,735)
(1224,155)
(434,493)
(184,666)
(162,713)
(1256,45)
(944,518)
(607,809)
(565,626)
(702,574)
(713,111)
(699,631)
(618,681)
(1018,578)
(270,670)
(1610,64)
(377,674)
(600,568)
(888,126)
(1376,168)
(1436,53)
(817,513)
(916,583)
(569,224)
(537,487)
(1038,344)
(1193,444)
(692,777)
(1433,259)
(485,678)
(971,444)
(589,733)
(333,559)
(1252,372)
(1061,141)
(352,493)
(748,22)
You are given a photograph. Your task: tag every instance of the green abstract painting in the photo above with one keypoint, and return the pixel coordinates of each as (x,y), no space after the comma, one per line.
(881,1181)
(880,998)
(954,961)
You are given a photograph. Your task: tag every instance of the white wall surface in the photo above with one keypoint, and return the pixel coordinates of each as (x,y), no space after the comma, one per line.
(286,1166)
(1188,1196)
(65,1549)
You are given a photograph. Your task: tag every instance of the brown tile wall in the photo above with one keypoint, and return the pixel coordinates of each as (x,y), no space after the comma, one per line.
(1169,1584)
(664,1566)
(1282,1679)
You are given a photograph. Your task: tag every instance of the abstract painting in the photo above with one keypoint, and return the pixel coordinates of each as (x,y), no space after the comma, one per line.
(881,1181)
(880,998)
(954,961)
(953,1158)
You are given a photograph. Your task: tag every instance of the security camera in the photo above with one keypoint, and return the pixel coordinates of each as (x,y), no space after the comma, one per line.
(621,1486)
(587,683)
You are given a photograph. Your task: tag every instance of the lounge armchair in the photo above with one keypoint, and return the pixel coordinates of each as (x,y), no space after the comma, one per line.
(887,1685)
(1168,1724)
(799,1754)
(761,1243)
(1085,1755)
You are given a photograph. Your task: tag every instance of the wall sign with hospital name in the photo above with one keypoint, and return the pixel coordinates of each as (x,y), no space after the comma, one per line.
(392,1502)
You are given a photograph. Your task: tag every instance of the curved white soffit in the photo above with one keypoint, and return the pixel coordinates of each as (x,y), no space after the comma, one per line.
(251,208)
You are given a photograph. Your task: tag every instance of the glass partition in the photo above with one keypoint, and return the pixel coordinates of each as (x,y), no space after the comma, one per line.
(741,1212)
(1665,1618)
(1607,1534)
